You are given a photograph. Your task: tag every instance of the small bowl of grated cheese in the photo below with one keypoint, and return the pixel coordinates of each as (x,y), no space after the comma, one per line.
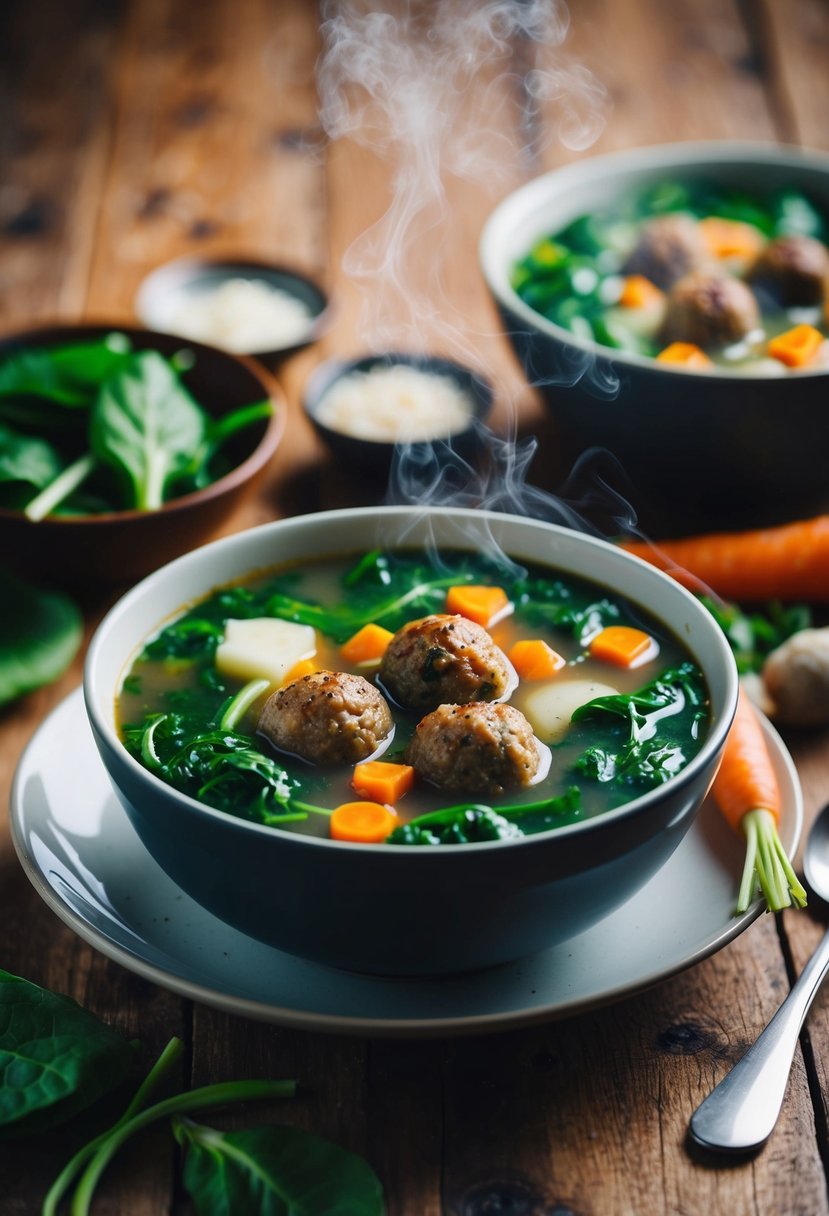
(241,306)
(365,407)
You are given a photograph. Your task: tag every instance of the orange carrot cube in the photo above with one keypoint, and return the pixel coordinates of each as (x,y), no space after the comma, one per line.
(382,781)
(623,645)
(303,667)
(685,354)
(484,605)
(533,659)
(639,292)
(797,347)
(368,645)
(730,238)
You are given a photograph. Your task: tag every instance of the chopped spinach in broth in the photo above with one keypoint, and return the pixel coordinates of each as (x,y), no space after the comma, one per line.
(691,273)
(613,730)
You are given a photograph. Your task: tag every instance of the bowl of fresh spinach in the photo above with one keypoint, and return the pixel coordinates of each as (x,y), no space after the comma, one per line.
(121,448)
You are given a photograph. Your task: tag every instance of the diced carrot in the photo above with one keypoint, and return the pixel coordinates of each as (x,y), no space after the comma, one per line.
(368,645)
(685,354)
(362,822)
(533,659)
(303,667)
(382,781)
(730,238)
(796,347)
(484,605)
(622,645)
(639,292)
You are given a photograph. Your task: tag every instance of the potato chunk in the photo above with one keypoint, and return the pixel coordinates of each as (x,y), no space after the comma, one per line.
(264,648)
(550,706)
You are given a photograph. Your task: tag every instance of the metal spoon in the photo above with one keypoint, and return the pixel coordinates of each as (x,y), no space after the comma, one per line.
(740,1114)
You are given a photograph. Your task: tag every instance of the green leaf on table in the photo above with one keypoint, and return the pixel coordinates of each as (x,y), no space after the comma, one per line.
(27,459)
(40,633)
(147,426)
(56,1058)
(70,375)
(274,1171)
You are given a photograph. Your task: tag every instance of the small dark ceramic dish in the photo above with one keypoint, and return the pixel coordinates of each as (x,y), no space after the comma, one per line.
(378,907)
(125,545)
(171,285)
(377,454)
(701,450)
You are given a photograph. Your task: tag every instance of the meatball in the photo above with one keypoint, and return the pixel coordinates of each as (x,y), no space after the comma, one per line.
(479,748)
(669,247)
(444,659)
(709,309)
(329,717)
(794,269)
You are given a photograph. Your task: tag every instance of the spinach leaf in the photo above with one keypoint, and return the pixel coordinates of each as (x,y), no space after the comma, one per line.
(27,459)
(55,1057)
(274,1171)
(68,375)
(40,633)
(652,724)
(147,426)
(471,822)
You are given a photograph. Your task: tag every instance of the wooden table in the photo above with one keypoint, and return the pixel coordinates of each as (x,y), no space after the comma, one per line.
(137,130)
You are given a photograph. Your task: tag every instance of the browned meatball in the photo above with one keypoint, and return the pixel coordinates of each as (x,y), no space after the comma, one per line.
(668,248)
(709,310)
(329,717)
(794,269)
(478,748)
(444,659)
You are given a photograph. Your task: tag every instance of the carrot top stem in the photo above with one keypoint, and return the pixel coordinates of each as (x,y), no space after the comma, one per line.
(768,865)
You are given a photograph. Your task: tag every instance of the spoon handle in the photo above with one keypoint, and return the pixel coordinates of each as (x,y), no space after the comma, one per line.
(741,1112)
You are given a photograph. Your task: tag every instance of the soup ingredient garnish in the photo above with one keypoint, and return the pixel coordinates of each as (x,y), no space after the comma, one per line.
(639,292)
(240,315)
(484,605)
(367,646)
(470,823)
(787,562)
(535,659)
(550,706)
(747,793)
(263,647)
(623,645)
(362,822)
(98,427)
(796,679)
(685,354)
(797,347)
(382,781)
(643,752)
(397,403)
(40,633)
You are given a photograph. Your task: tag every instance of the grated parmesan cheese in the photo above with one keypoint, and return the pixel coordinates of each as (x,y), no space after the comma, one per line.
(397,404)
(241,315)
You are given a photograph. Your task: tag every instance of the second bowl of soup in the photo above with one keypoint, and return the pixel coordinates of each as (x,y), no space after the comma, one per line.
(410,743)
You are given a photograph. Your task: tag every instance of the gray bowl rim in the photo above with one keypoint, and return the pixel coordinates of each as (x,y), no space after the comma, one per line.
(191,267)
(327,373)
(597,168)
(649,574)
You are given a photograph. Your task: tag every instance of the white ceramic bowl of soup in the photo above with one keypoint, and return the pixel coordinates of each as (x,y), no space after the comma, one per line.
(384,908)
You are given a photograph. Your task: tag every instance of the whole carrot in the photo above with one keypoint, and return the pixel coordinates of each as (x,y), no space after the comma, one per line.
(746,791)
(789,562)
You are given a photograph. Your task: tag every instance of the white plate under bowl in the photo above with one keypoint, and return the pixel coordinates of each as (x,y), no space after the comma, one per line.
(83,857)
